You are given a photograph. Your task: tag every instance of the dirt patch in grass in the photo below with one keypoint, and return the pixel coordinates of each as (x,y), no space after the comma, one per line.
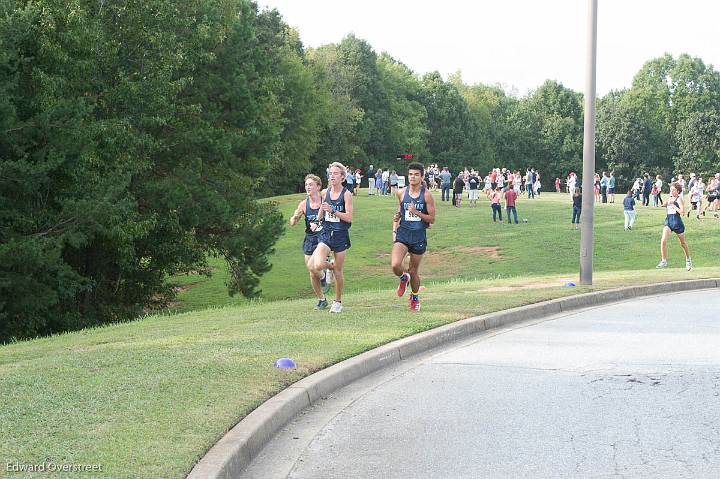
(489,251)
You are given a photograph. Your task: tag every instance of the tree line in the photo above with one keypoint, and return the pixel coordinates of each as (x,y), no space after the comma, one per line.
(136,138)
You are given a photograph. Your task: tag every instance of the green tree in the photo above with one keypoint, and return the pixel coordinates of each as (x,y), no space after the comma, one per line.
(449,122)
(491,139)
(133,138)
(698,138)
(302,103)
(548,128)
(664,123)
(340,137)
(407,131)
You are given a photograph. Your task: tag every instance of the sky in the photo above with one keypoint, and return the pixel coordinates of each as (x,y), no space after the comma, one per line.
(517,44)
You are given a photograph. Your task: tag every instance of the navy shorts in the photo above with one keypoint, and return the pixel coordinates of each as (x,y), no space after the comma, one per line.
(675,223)
(415,240)
(310,243)
(611,191)
(337,240)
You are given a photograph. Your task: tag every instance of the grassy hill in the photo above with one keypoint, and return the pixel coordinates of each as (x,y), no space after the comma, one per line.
(146,399)
(466,244)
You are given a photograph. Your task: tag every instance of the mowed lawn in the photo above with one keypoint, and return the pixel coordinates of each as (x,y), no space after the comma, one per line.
(465,244)
(147,399)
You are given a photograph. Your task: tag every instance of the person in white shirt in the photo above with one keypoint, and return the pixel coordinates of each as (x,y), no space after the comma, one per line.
(571,183)
(659,185)
(696,193)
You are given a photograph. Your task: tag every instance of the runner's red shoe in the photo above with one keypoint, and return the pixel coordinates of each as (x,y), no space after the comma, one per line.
(414,302)
(404,280)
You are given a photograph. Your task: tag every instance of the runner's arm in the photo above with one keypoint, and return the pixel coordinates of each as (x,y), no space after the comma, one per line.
(299,211)
(321,212)
(680,206)
(395,225)
(430,202)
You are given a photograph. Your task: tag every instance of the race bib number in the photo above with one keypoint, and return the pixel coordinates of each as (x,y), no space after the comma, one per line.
(331,217)
(411,216)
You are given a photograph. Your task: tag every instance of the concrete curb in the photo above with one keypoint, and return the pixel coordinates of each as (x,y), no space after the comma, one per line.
(234,451)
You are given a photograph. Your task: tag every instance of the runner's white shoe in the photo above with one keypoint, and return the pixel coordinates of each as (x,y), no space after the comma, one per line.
(329,276)
(688,264)
(336,307)
(662,264)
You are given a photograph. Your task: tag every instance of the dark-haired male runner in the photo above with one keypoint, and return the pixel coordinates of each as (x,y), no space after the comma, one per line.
(417,212)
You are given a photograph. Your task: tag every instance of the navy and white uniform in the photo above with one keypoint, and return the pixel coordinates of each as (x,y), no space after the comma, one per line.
(312,238)
(335,232)
(674,220)
(411,231)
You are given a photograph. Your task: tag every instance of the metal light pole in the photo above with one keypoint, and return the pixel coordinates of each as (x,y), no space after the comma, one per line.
(588,196)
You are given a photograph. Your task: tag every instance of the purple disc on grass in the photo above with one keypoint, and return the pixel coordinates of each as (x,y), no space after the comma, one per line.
(569,283)
(285,363)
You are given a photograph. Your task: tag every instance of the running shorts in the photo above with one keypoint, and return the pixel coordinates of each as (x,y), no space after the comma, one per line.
(337,240)
(310,243)
(675,223)
(415,240)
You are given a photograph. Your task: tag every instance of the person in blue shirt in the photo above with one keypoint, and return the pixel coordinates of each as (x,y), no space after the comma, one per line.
(350,181)
(604,186)
(611,187)
(629,210)
(445,184)
(415,215)
(646,189)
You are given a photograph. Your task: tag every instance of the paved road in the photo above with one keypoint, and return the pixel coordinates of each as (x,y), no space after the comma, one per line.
(626,390)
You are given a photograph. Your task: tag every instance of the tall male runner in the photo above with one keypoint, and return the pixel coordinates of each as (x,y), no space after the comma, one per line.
(310,208)
(336,212)
(417,212)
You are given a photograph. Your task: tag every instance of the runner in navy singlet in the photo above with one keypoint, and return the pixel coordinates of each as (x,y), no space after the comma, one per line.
(310,208)
(417,212)
(336,212)
(674,224)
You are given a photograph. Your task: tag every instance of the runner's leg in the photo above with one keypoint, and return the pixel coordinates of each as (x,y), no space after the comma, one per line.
(399,250)
(338,274)
(318,262)
(414,271)
(684,245)
(663,242)
(314,279)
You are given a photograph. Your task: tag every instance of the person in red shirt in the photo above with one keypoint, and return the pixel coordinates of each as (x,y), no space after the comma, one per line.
(510,198)
(557,185)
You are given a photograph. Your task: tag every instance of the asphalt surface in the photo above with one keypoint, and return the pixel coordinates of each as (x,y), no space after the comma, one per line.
(630,389)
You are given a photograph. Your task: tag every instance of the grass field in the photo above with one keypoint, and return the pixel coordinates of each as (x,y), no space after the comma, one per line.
(146,399)
(465,244)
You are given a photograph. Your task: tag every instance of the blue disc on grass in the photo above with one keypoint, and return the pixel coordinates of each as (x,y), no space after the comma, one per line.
(569,283)
(285,363)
